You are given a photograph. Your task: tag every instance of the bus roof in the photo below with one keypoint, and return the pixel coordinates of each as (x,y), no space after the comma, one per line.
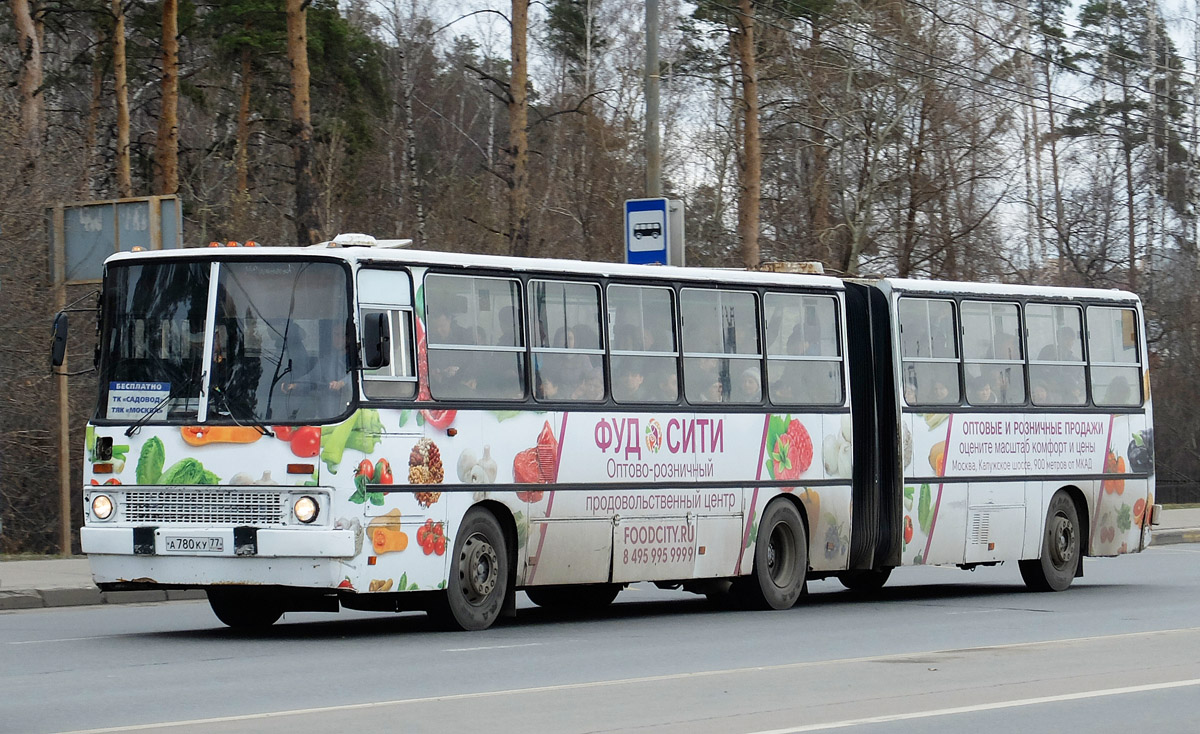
(953,288)
(517,264)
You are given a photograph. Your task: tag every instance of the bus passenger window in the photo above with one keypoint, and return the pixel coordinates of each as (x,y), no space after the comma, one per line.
(1056,366)
(1113,353)
(929,350)
(565,334)
(720,344)
(803,354)
(644,358)
(476,349)
(993,362)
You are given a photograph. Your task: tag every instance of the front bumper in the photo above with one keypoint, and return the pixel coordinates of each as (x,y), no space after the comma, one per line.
(233,542)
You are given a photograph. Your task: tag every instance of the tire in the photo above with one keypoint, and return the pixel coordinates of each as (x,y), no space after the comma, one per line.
(478,573)
(574,599)
(780,559)
(245,608)
(865,581)
(1061,548)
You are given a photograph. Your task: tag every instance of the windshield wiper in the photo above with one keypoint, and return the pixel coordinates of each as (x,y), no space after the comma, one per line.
(220,395)
(137,425)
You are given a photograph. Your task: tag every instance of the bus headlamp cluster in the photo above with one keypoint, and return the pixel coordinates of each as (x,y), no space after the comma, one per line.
(103,507)
(306,509)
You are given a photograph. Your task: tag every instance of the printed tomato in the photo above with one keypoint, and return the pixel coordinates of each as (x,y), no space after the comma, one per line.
(306,441)
(908,530)
(383,472)
(439,546)
(284,433)
(439,419)
(366,470)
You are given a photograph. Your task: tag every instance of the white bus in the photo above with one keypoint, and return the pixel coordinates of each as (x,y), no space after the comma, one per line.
(384,429)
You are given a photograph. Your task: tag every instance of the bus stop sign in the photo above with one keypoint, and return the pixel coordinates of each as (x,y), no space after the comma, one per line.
(646,231)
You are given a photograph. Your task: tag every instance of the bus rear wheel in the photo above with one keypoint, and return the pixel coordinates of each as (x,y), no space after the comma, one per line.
(574,599)
(1061,543)
(865,580)
(245,607)
(478,573)
(780,559)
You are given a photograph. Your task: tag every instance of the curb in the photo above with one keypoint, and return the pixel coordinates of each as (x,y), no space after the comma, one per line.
(1174,536)
(88,596)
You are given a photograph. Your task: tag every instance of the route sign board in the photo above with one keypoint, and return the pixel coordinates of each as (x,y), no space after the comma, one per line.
(647,231)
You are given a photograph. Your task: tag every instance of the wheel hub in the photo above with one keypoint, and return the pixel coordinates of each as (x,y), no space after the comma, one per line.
(1062,550)
(478,568)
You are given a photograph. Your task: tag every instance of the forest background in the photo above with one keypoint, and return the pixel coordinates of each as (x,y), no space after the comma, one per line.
(1030,141)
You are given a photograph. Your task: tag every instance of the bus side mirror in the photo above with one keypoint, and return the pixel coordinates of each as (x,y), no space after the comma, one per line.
(58,348)
(377,351)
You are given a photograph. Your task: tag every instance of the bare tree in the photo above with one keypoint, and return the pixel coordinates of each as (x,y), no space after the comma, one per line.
(166,143)
(29,85)
(308,226)
(751,164)
(124,175)
(518,132)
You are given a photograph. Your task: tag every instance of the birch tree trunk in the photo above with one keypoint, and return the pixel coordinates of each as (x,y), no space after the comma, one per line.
(29,84)
(86,190)
(518,133)
(751,169)
(307,224)
(121,91)
(166,143)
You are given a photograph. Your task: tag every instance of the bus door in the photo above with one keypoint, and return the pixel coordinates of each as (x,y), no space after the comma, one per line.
(984,444)
(571,520)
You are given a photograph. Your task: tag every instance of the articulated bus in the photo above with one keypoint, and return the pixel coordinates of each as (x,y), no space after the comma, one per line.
(370,427)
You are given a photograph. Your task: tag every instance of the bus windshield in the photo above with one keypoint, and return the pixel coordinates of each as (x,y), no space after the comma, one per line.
(278,332)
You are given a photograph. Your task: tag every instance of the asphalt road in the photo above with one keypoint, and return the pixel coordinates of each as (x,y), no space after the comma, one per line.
(939,650)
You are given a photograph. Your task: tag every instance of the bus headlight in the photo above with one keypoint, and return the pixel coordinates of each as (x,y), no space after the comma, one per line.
(102,507)
(306,509)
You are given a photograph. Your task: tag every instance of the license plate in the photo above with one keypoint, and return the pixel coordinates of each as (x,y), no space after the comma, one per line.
(177,544)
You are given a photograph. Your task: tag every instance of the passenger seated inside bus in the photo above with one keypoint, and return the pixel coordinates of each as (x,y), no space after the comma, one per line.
(747,389)
(443,329)
(629,380)
(1118,392)
(980,391)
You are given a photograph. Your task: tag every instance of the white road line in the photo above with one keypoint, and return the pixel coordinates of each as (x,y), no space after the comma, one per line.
(61,639)
(614,682)
(493,647)
(984,707)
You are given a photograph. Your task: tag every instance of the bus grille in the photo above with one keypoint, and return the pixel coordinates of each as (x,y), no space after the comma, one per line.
(205,507)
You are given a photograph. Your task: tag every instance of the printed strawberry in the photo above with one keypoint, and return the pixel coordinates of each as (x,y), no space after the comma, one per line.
(792,453)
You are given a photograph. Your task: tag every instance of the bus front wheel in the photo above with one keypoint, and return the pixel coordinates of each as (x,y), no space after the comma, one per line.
(780,558)
(245,607)
(1061,543)
(478,573)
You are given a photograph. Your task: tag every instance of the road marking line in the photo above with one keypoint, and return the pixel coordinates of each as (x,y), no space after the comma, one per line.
(612,683)
(887,718)
(493,647)
(61,639)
